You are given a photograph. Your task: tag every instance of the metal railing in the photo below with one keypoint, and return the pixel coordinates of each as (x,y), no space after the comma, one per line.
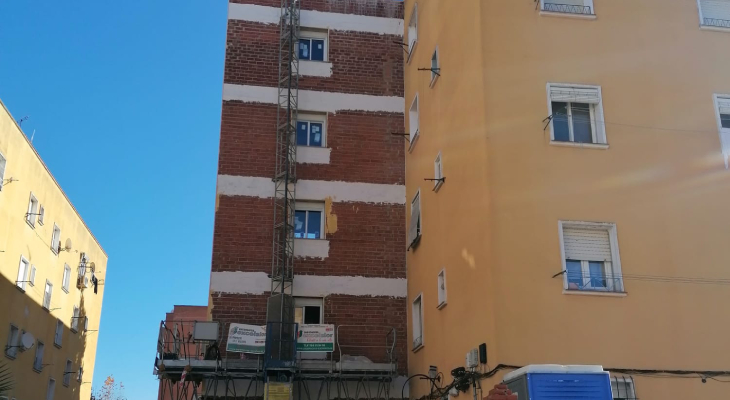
(175,342)
(567,8)
(374,349)
(722,23)
(595,282)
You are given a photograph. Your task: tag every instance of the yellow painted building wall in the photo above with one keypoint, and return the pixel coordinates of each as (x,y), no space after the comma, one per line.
(24,308)
(493,225)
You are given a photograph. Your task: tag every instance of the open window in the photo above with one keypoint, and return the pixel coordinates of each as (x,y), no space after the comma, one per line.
(412,31)
(56,239)
(435,66)
(32,214)
(414,227)
(308,310)
(417,314)
(413,121)
(47,293)
(442,288)
(438,173)
(23,273)
(3,163)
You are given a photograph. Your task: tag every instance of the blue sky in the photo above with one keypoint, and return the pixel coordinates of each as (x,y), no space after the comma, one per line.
(125,100)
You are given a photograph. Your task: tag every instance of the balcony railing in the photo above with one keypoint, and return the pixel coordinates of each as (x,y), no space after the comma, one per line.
(567,8)
(722,23)
(594,282)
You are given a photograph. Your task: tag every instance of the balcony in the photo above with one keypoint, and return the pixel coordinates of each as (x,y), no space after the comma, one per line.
(717,23)
(570,9)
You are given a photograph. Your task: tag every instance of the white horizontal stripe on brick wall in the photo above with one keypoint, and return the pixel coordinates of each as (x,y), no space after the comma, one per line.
(241,282)
(318,19)
(315,68)
(357,192)
(311,248)
(313,155)
(316,101)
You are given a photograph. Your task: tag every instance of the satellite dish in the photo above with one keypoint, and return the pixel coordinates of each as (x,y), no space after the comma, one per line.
(68,244)
(27,340)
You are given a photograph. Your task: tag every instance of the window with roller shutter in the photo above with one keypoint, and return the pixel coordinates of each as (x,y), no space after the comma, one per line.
(576,113)
(722,111)
(590,257)
(584,7)
(715,13)
(414,227)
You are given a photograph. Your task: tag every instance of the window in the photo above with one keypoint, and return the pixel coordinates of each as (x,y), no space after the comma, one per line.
(30,217)
(412,31)
(577,114)
(722,112)
(310,130)
(51,389)
(82,265)
(56,239)
(413,120)
(3,163)
(438,173)
(715,13)
(66,278)
(47,295)
(623,388)
(58,337)
(80,375)
(309,221)
(435,69)
(75,320)
(38,362)
(67,373)
(86,324)
(31,277)
(414,228)
(312,45)
(23,273)
(308,311)
(568,6)
(11,349)
(591,259)
(41,214)
(417,312)
(442,288)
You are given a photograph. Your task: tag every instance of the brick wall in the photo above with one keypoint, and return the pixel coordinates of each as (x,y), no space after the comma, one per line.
(373,8)
(376,63)
(370,239)
(363,149)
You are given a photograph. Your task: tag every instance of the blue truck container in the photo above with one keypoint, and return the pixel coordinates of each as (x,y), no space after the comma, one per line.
(564,382)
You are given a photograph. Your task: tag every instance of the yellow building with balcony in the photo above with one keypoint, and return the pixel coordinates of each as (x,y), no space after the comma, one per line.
(574,212)
(52,271)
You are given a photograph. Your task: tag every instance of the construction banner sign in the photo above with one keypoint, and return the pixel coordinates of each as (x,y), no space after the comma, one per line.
(316,338)
(246,339)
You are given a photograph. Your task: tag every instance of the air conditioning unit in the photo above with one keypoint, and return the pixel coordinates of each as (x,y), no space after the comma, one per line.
(82,282)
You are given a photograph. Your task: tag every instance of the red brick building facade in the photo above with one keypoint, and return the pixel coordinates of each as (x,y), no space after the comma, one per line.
(350,195)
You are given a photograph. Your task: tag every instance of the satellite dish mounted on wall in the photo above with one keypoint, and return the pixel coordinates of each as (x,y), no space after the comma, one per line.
(68,244)
(27,340)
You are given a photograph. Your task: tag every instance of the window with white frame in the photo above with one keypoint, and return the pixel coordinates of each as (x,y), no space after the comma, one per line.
(584,7)
(80,375)
(58,336)
(51,389)
(435,68)
(23,273)
(438,172)
(32,213)
(577,113)
(38,361)
(67,373)
(31,276)
(308,310)
(310,130)
(414,227)
(417,312)
(86,324)
(722,111)
(309,221)
(622,388)
(413,120)
(11,349)
(75,320)
(715,13)
(590,256)
(47,293)
(56,239)
(413,30)
(41,214)
(66,278)
(442,288)
(3,163)
(313,45)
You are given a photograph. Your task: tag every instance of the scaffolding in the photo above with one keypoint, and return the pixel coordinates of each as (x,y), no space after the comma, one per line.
(192,369)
